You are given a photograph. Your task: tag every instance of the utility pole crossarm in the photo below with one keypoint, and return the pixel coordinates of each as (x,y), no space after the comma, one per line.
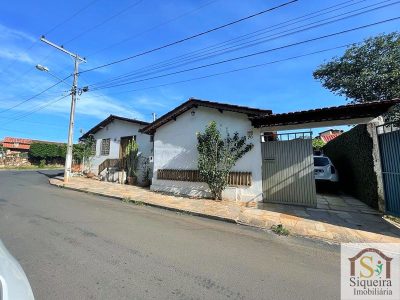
(61,48)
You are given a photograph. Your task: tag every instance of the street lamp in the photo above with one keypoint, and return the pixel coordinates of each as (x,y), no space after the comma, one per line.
(46,69)
(42,68)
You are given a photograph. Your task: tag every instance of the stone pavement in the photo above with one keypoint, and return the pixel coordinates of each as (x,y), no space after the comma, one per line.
(336,219)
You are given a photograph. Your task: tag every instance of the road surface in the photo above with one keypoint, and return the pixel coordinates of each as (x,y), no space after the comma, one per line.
(74,245)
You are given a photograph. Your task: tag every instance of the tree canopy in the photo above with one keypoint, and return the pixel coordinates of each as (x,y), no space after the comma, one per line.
(368,71)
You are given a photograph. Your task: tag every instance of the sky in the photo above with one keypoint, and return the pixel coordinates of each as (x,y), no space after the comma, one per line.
(105,31)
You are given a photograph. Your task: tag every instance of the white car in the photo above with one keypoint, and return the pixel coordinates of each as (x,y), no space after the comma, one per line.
(324,170)
(13,282)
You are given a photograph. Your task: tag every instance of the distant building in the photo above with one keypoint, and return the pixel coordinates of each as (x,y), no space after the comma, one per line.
(330,134)
(12,145)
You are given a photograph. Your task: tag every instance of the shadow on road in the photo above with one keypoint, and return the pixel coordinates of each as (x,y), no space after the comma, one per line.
(50,174)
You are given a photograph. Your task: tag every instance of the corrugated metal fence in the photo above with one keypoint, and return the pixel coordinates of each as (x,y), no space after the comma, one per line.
(288,172)
(389,147)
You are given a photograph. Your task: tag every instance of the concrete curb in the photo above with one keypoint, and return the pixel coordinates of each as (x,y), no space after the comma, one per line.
(189,212)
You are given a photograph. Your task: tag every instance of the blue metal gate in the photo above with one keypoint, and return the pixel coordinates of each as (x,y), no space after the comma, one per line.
(389,147)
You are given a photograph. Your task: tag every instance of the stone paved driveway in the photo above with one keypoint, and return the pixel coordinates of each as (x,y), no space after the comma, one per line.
(336,219)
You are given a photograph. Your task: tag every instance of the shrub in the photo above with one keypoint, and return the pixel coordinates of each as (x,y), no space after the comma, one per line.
(56,153)
(47,151)
(132,159)
(217,156)
(42,163)
(280,229)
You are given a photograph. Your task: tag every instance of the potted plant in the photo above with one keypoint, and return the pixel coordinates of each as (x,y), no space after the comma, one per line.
(131,158)
(146,172)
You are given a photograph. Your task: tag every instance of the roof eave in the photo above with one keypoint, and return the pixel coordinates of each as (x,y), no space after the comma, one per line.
(192,102)
(344,112)
(107,121)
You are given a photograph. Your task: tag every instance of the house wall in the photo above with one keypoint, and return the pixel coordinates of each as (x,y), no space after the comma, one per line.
(175,147)
(114,131)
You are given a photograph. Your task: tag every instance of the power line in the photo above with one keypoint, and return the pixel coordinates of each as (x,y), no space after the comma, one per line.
(180,59)
(155,27)
(35,96)
(71,17)
(34,43)
(190,37)
(234,70)
(30,69)
(120,12)
(256,53)
(39,107)
(52,29)
(42,106)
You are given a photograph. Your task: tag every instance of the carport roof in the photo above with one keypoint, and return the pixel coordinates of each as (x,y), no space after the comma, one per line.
(342,115)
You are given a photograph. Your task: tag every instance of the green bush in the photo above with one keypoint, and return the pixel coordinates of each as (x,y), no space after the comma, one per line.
(217,156)
(351,153)
(50,153)
(42,163)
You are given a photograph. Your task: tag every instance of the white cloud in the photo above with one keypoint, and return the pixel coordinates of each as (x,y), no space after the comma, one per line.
(14,45)
(149,102)
(7,33)
(98,106)
(15,54)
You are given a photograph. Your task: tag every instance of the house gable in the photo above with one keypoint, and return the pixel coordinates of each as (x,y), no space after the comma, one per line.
(195,103)
(107,121)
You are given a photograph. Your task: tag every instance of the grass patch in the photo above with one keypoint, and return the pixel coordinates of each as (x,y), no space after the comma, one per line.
(126,199)
(129,200)
(32,167)
(280,229)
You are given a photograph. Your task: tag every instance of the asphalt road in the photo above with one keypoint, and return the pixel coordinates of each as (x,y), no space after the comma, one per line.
(78,246)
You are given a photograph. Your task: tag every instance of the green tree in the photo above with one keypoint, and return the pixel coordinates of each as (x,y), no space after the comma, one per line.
(83,152)
(368,71)
(217,156)
(317,143)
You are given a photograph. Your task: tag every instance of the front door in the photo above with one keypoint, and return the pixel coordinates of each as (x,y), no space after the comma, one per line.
(125,140)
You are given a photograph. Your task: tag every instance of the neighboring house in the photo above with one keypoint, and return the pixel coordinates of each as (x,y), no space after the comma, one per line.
(112,135)
(15,146)
(175,149)
(329,135)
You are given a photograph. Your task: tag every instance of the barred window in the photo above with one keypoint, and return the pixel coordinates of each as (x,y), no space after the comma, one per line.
(105,147)
(93,150)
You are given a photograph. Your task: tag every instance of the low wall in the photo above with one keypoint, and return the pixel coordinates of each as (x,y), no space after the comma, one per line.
(14,161)
(200,190)
(352,155)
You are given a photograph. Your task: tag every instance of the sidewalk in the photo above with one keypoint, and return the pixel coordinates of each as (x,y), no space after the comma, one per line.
(334,225)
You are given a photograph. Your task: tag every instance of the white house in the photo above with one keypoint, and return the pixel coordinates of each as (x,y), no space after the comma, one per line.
(175,149)
(112,135)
